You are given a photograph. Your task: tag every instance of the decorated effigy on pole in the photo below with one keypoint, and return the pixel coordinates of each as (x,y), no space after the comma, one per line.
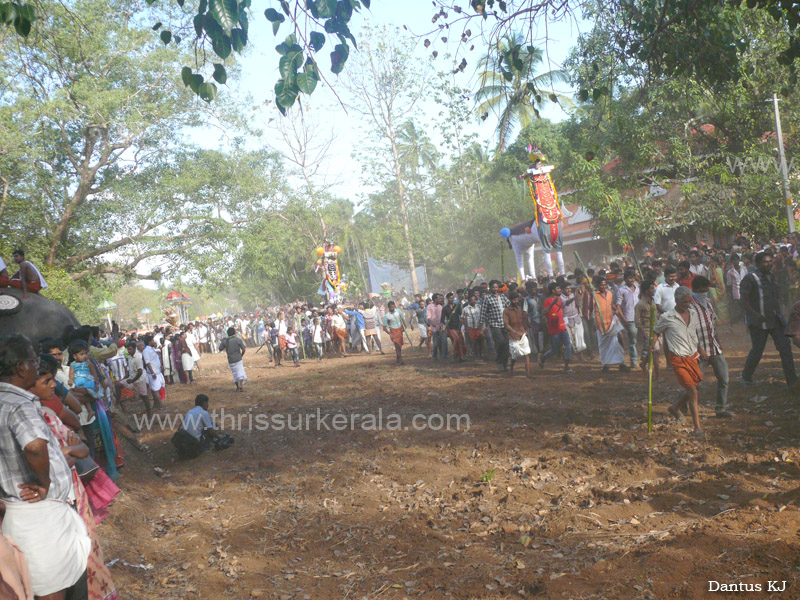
(548,211)
(331,286)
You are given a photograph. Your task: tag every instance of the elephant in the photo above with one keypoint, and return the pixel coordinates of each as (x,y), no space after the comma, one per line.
(36,317)
(522,240)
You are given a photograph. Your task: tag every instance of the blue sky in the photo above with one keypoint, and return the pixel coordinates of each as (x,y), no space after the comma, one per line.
(259,74)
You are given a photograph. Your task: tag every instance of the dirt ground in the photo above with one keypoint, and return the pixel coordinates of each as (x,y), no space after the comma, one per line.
(555,490)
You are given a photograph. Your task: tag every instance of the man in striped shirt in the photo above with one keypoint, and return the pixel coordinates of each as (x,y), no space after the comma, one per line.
(706,318)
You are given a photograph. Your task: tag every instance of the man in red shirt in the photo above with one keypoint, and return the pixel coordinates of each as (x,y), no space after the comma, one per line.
(685,276)
(553,310)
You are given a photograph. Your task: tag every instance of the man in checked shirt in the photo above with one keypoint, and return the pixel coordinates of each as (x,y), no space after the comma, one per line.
(707,339)
(492,316)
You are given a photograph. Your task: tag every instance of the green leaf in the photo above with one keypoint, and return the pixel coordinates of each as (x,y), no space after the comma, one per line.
(222,46)
(289,63)
(166,36)
(306,84)
(202,7)
(285,7)
(212,28)
(308,79)
(181,3)
(238,39)
(583,95)
(226,13)
(285,94)
(275,26)
(344,10)
(198,24)
(157,26)
(338,58)
(326,8)
(186,75)
(196,82)
(366,4)
(22,26)
(219,73)
(274,15)
(207,91)
(288,45)
(176,39)
(317,40)
(596,93)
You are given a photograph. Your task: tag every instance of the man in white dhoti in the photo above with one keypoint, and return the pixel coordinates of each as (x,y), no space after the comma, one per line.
(235,348)
(608,327)
(152,368)
(191,343)
(36,483)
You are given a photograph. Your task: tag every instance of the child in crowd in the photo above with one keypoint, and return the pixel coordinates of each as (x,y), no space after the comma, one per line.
(291,344)
(318,338)
(83,375)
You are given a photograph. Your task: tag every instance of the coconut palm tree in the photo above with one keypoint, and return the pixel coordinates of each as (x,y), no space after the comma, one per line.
(510,88)
(415,148)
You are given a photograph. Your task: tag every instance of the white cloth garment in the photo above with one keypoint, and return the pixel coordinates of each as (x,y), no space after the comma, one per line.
(611,352)
(151,359)
(187,362)
(38,274)
(237,369)
(54,540)
(575,329)
(519,348)
(191,342)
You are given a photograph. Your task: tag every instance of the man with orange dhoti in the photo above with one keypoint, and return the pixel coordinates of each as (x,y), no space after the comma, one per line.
(27,278)
(394,326)
(679,328)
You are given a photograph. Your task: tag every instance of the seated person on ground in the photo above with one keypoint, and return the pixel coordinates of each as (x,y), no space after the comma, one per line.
(197,433)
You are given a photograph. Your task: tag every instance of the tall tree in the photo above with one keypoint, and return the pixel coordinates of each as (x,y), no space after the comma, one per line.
(92,116)
(387,84)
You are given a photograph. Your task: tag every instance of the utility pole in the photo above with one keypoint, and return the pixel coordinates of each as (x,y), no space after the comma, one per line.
(784,170)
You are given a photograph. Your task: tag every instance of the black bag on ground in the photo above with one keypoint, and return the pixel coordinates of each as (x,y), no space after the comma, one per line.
(223,441)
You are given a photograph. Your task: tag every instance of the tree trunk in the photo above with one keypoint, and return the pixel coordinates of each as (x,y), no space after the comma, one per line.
(401,193)
(3,199)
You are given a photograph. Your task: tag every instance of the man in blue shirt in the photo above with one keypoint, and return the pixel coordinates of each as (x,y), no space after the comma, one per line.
(358,333)
(197,432)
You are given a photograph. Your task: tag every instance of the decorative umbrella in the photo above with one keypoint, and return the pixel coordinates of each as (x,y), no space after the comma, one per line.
(107,306)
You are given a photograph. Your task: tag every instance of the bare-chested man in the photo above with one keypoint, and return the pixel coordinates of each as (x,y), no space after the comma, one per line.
(27,278)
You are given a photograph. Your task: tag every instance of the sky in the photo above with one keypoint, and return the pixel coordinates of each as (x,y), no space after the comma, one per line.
(259,74)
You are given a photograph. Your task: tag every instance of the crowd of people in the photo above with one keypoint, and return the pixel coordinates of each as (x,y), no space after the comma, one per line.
(59,459)
(59,454)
